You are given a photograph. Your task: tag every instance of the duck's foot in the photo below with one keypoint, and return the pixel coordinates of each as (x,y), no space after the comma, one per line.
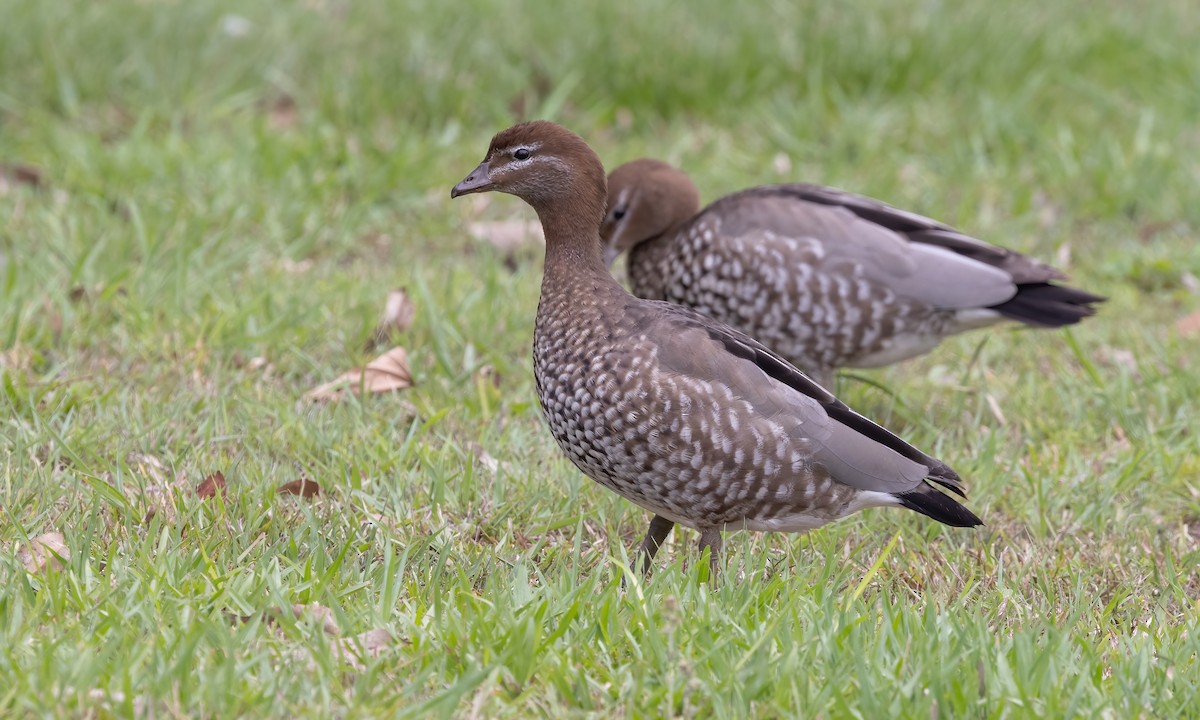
(656,535)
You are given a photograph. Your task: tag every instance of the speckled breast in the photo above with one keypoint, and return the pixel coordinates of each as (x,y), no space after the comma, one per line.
(680,447)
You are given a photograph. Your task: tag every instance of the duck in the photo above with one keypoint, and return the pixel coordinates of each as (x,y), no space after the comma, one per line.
(684,416)
(825,278)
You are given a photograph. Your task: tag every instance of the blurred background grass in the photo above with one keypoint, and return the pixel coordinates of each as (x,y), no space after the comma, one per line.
(229,189)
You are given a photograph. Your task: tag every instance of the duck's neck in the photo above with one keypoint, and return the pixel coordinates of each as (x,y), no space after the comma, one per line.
(573,251)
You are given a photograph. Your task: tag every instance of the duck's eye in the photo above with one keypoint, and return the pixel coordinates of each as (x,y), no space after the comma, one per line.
(521,154)
(618,213)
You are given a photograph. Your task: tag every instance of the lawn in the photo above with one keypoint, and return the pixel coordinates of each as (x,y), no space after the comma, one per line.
(204,206)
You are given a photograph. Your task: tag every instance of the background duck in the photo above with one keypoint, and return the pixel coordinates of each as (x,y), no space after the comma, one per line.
(823,277)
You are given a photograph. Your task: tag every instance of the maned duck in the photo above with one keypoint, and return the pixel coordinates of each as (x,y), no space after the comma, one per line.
(825,278)
(683,415)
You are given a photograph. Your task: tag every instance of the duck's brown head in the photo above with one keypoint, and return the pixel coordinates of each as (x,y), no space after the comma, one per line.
(547,166)
(646,198)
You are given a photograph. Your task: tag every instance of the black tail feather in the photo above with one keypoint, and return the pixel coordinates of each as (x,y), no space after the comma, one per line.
(1048,305)
(936,504)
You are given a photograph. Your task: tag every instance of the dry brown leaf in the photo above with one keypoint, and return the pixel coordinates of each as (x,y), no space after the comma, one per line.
(782,165)
(369,644)
(1189,282)
(352,650)
(994,406)
(1149,230)
(315,611)
(16,359)
(1120,358)
(15,174)
(53,318)
(1062,257)
(623,118)
(159,490)
(282,114)
(372,640)
(1188,325)
(46,551)
(507,235)
(319,612)
(236,26)
(109,699)
(387,373)
(302,487)
(296,267)
(398,314)
(484,458)
(211,485)
(148,465)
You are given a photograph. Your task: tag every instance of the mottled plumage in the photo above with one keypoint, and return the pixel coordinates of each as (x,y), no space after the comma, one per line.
(825,278)
(686,417)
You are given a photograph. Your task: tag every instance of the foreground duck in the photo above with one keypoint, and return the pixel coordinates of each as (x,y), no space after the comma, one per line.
(825,278)
(685,416)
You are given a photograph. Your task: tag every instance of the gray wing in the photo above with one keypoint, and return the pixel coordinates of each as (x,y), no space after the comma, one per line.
(920,229)
(856,451)
(935,266)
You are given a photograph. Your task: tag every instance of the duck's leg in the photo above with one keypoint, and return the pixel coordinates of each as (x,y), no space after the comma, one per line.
(711,539)
(656,535)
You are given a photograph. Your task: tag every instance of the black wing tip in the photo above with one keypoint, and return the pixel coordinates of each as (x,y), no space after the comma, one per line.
(1048,305)
(933,503)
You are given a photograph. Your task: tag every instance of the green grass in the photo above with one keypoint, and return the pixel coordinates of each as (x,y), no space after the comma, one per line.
(198,259)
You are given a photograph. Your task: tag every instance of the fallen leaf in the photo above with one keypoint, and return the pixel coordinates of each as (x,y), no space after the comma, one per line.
(398,314)
(296,267)
(491,464)
(354,651)
(319,612)
(112,699)
(48,550)
(147,465)
(781,164)
(299,612)
(1062,257)
(15,174)
(372,640)
(158,491)
(623,118)
(489,374)
(152,511)
(1188,325)
(236,26)
(365,645)
(994,406)
(16,359)
(387,373)
(54,319)
(1149,230)
(211,485)
(302,487)
(1190,282)
(1119,357)
(282,114)
(507,235)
